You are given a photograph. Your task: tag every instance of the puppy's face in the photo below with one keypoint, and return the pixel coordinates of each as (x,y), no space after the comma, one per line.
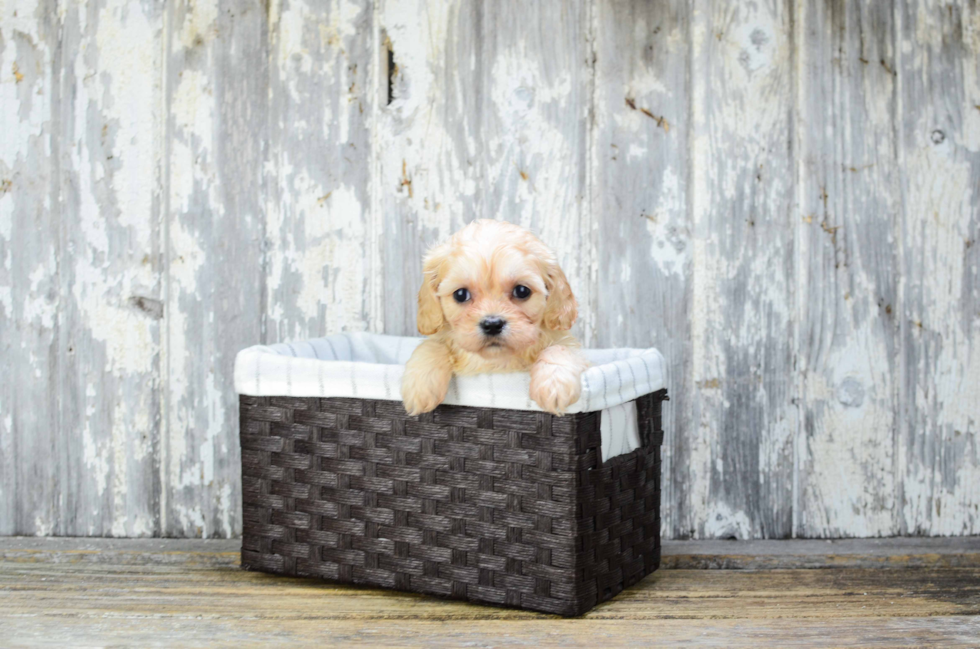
(493,288)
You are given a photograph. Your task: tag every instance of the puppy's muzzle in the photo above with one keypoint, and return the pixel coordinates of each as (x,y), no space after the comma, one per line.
(492,325)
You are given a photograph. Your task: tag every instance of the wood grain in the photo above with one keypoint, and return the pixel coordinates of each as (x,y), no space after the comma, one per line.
(198,596)
(849,350)
(29,246)
(319,202)
(110,275)
(81,311)
(199,631)
(939,126)
(639,176)
(216,93)
(733,466)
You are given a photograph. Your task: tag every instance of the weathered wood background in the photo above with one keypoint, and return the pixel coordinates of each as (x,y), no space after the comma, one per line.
(782,195)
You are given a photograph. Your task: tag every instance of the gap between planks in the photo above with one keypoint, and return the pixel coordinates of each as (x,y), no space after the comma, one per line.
(676,555)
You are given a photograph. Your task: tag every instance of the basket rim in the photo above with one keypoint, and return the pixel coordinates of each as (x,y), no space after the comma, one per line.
(320,367)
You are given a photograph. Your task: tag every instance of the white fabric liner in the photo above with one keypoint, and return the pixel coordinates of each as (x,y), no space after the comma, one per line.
(370,366)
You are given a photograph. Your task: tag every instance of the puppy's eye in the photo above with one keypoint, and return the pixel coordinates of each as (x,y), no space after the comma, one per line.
(461,295)
(521,292)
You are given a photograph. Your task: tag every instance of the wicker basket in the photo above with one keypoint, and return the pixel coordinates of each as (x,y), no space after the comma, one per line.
(508,507)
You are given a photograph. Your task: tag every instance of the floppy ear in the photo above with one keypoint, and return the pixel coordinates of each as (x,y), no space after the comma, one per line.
(561,310)
(430,318)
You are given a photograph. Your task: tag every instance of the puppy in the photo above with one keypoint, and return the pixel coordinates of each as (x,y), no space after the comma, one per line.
(493,299)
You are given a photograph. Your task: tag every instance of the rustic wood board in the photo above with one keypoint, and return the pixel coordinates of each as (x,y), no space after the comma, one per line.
(733,468)
(216,87)
(849,352)
(206,631)
(639,163)
(82,281)
(939,129)
(29,245)
(318,219)
(192,593)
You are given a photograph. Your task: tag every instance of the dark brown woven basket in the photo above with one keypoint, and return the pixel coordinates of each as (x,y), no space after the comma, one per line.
(500,506)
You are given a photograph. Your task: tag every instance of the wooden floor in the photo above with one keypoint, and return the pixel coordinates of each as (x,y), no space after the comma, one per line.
(94,592)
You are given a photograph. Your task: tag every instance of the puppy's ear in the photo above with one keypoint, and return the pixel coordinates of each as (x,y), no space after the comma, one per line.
(561,310)
(430,318)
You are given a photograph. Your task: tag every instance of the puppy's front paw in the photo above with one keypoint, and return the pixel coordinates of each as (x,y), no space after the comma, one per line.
(555,386)
(423,391)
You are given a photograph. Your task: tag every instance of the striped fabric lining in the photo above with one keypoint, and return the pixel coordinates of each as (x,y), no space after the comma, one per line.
(618,430)
(370,366)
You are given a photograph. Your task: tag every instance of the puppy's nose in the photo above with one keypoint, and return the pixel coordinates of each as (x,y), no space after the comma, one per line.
(492,325)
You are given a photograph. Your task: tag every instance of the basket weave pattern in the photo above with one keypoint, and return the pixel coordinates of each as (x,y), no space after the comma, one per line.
(500,506)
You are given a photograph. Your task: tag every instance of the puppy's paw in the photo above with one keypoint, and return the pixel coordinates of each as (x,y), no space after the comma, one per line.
(423,391)
(555,385)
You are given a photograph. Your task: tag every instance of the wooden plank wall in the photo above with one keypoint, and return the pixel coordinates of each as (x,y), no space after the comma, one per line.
(783,196)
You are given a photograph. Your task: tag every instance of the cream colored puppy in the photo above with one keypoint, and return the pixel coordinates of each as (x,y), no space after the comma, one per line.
(493,299)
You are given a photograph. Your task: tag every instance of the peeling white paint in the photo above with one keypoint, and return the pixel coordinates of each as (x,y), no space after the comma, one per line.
(318,208)
(851,456)
(330,232)
(120,467)
(43,527)
(21,133)
(939,216)
(670,239)
(96,460)
(193,107)
(198,26)
(187,258)
(193,519)
(524,97)
(417,33)
(126,80)
(293,55)
(215,400)
(6,217)
(40,306)
(204,241)
(227,503)
(722,522)
(740,300)
(129,61)
(948,366)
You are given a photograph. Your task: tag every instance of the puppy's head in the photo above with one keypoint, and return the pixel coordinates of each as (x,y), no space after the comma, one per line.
(493,288)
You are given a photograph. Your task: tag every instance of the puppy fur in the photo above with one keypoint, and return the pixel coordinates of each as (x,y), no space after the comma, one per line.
(487,262)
